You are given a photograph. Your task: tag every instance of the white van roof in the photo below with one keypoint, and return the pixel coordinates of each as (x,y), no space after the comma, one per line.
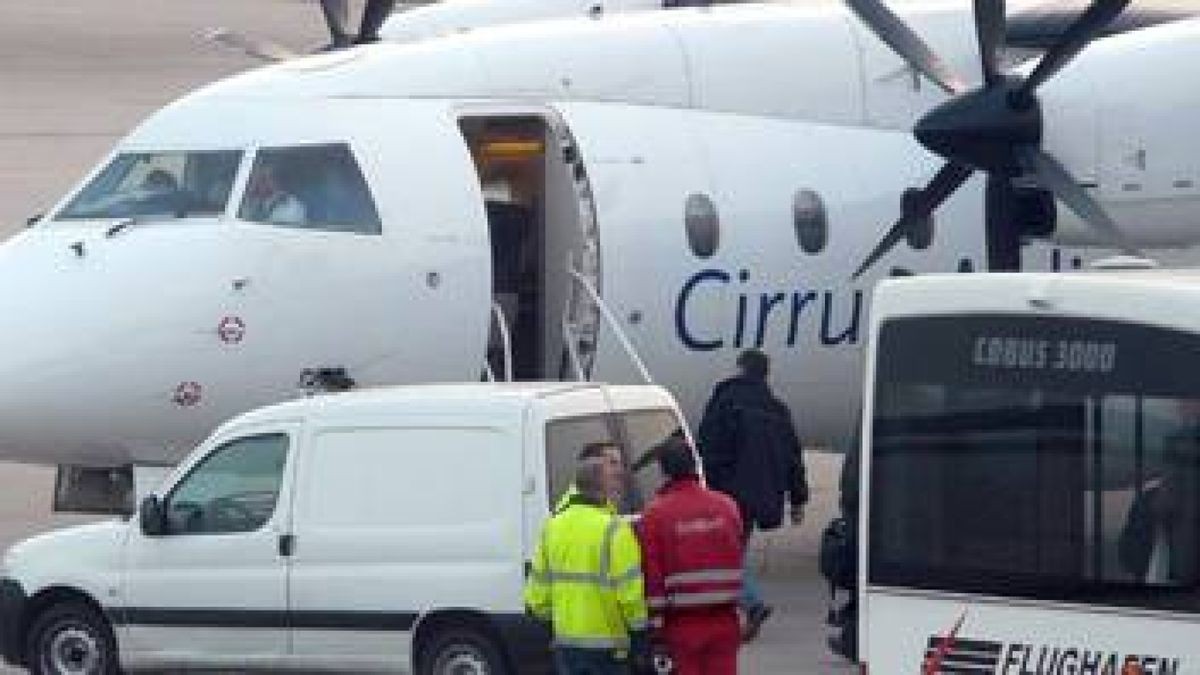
(483,398)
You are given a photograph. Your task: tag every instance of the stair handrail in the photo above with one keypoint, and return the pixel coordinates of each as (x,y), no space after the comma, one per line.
(505,341)
(622,338)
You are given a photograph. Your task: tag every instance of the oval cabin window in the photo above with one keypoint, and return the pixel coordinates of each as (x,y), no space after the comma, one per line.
(812,224)
(703,226)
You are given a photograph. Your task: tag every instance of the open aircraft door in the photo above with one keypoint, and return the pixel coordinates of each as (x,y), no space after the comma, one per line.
(580,213)
(658,221)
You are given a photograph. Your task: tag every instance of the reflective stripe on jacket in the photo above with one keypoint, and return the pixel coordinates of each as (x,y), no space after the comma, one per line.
(586,579)
(691,547)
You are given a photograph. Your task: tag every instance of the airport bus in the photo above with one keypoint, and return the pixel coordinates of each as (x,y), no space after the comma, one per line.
(1031,447)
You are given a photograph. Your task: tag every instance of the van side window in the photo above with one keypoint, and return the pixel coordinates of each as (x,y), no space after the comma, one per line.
(565,438)
(637,432)
(316,187)
(644,431)
(234,489)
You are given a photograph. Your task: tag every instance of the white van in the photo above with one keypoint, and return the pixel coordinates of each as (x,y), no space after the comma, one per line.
(381,530)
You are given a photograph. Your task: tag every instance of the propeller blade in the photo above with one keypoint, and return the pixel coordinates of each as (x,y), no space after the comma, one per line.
(1053,176)
(259,49)
(374,14)
(889,240)
(924,202)
(337,17)
(907,44)
(1087,27)
(990,27)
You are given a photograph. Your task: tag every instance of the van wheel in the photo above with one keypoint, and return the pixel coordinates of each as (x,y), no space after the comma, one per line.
(462,651)
(71,638)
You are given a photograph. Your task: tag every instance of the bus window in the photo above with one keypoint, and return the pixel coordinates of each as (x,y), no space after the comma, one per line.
(1028,458)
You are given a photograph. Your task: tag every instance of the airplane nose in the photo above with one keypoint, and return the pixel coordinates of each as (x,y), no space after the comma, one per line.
(77,346)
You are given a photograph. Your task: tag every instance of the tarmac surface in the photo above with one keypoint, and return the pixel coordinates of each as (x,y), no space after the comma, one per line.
(76,75)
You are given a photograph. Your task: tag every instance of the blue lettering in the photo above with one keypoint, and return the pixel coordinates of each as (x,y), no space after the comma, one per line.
(681,326)
(850,334)
(765,304)
(757,315)
(799,300)
(740,333)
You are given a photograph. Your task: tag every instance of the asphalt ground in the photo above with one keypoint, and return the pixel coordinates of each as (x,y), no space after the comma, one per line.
(77,75)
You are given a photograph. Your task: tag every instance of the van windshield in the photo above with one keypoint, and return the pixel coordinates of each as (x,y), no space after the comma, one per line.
(172,184)
(1037,457)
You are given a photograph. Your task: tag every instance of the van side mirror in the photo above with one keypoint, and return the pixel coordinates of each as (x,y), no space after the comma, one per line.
(152,517)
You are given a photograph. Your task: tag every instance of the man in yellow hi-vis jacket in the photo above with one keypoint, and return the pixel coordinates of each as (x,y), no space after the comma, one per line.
(586,580)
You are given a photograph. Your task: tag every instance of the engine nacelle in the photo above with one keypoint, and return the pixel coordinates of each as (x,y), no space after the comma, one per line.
(1125,119)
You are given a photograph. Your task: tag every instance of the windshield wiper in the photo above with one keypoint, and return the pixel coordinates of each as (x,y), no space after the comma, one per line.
(121,225)
(125,223)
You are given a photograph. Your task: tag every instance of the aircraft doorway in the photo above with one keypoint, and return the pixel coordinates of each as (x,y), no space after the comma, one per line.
(541,225)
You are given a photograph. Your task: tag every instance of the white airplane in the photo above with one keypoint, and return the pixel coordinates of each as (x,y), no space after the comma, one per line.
(726,178)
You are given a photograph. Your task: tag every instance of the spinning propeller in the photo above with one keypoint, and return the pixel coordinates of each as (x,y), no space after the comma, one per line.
(995,128)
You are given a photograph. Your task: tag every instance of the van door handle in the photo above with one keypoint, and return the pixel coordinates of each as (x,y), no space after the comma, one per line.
(287,545)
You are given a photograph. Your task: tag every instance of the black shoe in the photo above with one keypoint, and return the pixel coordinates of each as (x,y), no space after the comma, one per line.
(837,647)
(839,644)
(755,617)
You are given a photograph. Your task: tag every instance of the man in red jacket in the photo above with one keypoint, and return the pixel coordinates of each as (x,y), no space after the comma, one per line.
(692,563)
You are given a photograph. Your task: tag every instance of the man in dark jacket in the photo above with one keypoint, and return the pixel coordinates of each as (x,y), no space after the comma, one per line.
(845,642)
(752,453)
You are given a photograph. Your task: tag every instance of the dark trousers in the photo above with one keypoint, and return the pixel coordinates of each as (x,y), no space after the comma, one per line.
(579,661)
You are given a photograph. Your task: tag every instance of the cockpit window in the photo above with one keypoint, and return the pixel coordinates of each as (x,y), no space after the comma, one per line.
(317,187)
(171,184)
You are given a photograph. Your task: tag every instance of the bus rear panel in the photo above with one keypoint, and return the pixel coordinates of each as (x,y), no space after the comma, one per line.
(1034,497)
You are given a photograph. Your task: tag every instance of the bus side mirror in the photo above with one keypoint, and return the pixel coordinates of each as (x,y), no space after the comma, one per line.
(152,517)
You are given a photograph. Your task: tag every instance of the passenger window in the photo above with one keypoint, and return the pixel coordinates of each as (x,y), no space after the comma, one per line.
(170,184)
(234,489)
(317,187)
